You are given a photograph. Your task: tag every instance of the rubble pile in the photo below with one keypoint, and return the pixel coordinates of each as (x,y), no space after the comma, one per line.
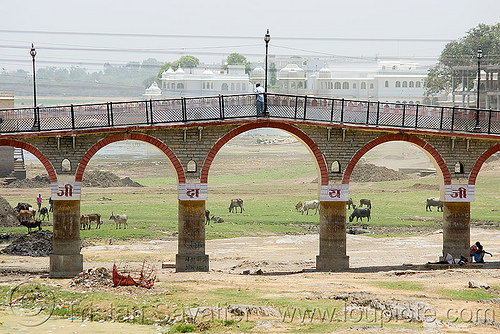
(101,179)
(37,244)
(93,277)
(8,216)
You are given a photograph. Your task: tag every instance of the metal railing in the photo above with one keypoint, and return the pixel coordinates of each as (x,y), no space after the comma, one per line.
(280,106)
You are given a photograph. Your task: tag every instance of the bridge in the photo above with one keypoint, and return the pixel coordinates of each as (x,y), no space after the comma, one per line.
(191,131)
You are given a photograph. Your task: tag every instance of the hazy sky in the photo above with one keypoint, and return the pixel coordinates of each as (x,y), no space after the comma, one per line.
(90,33)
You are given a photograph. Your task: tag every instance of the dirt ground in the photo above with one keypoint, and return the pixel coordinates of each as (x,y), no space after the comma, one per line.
(285,264)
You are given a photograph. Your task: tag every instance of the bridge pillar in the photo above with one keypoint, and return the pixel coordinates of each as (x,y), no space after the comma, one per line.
(456,229)
(332,237)
(191,241)
(66,260)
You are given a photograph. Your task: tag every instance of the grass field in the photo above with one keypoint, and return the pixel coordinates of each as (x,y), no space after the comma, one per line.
(269,198)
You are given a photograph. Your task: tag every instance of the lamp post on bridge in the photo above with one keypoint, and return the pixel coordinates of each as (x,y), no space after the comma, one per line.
(479,56)
(267,38)
(36,124)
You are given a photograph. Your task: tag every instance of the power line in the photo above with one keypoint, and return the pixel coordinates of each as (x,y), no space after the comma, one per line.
(333,39)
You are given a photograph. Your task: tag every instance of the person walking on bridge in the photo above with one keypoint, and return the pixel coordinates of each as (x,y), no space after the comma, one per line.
(259,90)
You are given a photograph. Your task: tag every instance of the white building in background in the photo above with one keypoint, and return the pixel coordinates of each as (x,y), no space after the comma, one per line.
(205,81)
(386,81)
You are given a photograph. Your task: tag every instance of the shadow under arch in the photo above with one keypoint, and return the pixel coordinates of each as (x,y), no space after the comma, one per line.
(304,138)
(181,177)
(480,161)
(33,150)
(436,158)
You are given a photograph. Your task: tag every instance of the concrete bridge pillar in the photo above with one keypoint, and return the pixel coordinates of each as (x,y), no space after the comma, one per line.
(456,229)
(332,237)
(66,260)
(191,241)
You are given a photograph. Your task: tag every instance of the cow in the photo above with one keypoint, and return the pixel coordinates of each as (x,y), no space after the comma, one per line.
(360,213)
(433,201)
(235,204)
(94,218)
(310,205)
(350,204)
(22,206)
(24,215)
(32,224)
(366,202)
(119,220)
(298,206)
(84,222)
(44,212)
(207,217)
(217,220)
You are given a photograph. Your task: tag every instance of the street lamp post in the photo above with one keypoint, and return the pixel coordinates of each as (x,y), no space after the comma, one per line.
(479,56)
(267,38)
(36,120)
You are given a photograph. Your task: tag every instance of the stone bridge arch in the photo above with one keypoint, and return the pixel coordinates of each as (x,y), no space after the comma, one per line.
(436,158)
(480,161)
(33,150)
(181,177)
(299,134)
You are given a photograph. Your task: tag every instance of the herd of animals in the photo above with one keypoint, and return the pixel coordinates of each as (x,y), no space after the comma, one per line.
(27,214)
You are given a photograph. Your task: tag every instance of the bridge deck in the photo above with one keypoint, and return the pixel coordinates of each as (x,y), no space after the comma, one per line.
(302,108)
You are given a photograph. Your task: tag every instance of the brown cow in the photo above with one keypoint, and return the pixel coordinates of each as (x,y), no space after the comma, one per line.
(94,218)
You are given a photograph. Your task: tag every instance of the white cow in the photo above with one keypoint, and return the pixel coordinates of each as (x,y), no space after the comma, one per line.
(310,205)
(119,220)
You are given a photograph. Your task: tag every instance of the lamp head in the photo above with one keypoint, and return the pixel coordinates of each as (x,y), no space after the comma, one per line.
(33,51)
(479,53)
(267,37)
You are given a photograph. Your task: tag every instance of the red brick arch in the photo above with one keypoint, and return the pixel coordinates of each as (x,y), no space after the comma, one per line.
(318,156)
(398,137)
(33,150)
(480,161)
(181,178)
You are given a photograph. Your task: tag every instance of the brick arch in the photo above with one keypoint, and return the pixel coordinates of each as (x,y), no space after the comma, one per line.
(479,163)
(399,137)
(181,178)
(33,150)
(318,156)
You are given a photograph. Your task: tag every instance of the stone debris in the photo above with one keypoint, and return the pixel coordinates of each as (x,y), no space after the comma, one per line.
(478,285)
(36,244)
(93,277)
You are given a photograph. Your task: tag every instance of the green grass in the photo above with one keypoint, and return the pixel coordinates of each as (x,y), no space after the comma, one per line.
(269,204)
(469,294)
(399,285)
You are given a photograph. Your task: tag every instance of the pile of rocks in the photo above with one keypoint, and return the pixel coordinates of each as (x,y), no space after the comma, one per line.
(37,244)
(93,277)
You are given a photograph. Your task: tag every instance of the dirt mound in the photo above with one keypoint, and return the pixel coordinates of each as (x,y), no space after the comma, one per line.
(103,179)
(8,216)
(367,172)
(99,179)
(37,244)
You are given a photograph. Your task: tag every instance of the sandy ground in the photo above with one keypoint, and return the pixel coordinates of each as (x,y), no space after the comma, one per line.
(287,263)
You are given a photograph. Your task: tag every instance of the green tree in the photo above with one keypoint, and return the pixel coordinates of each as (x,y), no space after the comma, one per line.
(188,62)
(463,53)
(238,59)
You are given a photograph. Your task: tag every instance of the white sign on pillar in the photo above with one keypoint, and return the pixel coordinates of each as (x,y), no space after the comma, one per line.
(66,190)
(459,193)
(334,193)
(193,191)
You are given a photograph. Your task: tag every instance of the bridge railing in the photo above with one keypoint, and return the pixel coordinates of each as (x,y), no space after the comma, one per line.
(306,108)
